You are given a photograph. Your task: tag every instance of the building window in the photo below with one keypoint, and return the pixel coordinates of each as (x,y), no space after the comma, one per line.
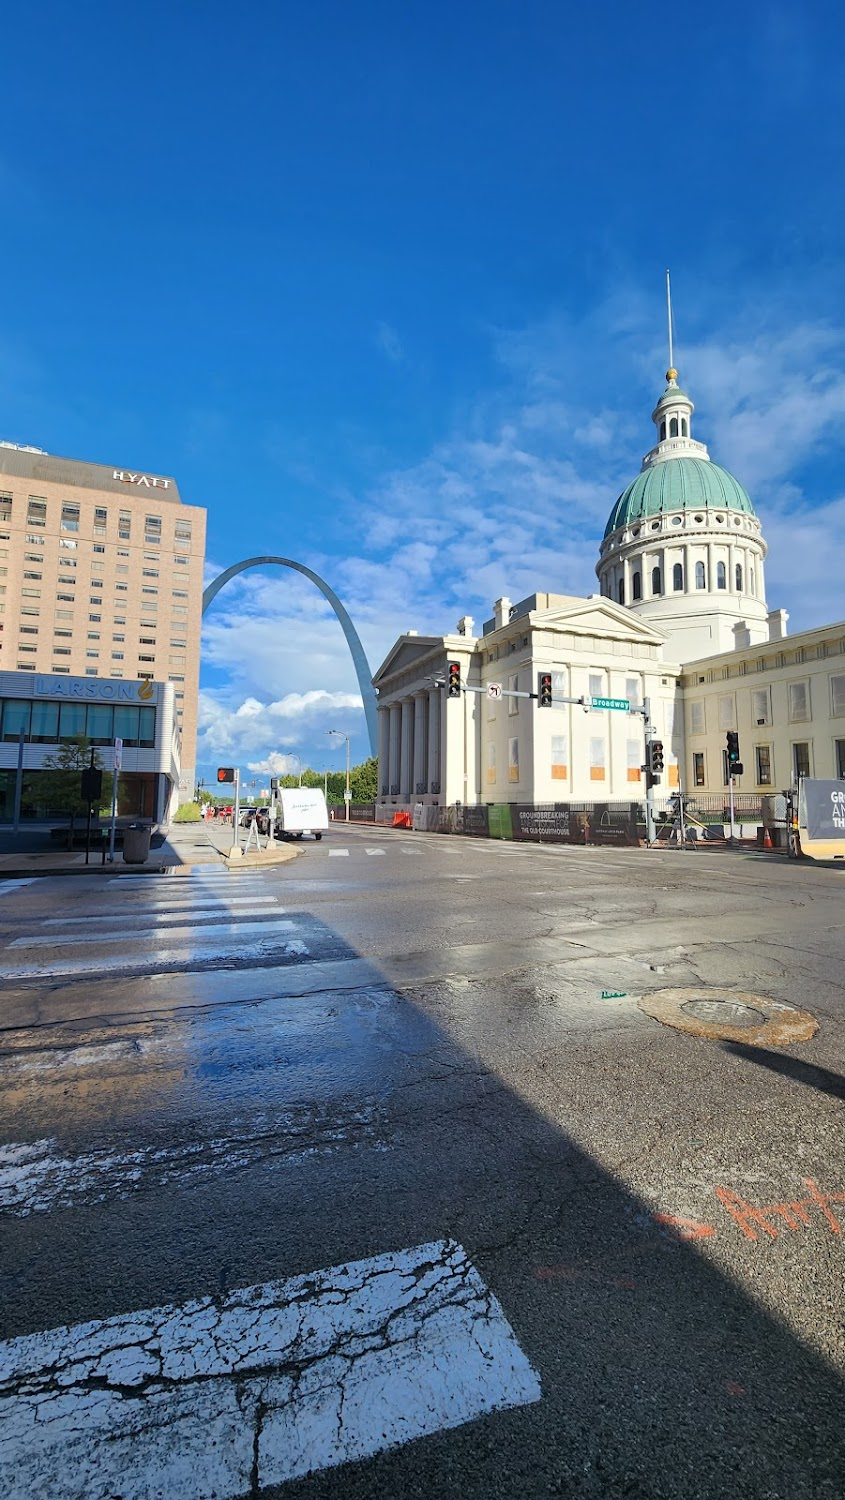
(596,685)
(65,543)
(597,760)
(663,430)
(33,577)
(837,695)
(698,768)
(684,427)
(621,591)
(33,630)
(61,651)
(673,427)
(513,760)
(36,513)
(839,758)
(149,572)
(798,698)
(700,578)
(93,655)
(66,598)
(727,712)
(633,689)
(637,585)
(760,706)
(678,577)
(560,764)
(491,763)
(801,760)
(738,575)
(513,685)
(95,619)
(696,718)
(179,594)
(750,578)
(146,658)
(763,760)
(65,634)
(721,576)
(634,755)
(656,581)
(117,655)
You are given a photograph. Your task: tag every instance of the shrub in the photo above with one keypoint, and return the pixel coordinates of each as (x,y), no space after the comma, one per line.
(189,812)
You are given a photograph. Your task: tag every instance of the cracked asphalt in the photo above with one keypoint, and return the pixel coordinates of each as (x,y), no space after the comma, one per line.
(440,1042)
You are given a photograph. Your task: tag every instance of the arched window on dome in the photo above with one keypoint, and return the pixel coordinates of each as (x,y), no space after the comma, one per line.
(663,431)
(739,578)
(621,594)
(637,585)
(678,577)
(700,579)
(751,578)
(721,576)
(656,581)
(673,427)
(684,427)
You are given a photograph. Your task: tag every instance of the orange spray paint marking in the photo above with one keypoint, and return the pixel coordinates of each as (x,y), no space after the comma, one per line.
(824,1200)
(744,1214)
(686,1229)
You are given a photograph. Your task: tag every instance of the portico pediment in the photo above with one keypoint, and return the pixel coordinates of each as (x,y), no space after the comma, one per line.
(599,617)
(407,651)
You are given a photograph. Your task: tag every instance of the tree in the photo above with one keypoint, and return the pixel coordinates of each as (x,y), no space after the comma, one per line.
(363,781)
(61,780)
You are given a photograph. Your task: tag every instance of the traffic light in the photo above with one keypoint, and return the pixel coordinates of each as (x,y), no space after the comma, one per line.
(274,783)
(544,689)
(453,679)
(734,762)
(657,757)
(225,773)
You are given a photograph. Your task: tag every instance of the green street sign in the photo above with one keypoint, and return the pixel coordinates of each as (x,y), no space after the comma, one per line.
(623,703)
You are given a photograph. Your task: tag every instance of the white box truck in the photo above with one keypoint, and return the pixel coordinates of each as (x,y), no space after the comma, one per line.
(299,810)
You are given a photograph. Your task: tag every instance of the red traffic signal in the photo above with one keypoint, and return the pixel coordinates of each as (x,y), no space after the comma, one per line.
(453,679)
(225,773)
(544,689)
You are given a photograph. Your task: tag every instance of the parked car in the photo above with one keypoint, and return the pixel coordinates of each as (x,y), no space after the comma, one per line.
(262,820)
(247,816)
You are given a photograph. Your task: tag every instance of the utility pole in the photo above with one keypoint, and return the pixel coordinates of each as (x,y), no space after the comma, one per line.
(347,794)
(649,789)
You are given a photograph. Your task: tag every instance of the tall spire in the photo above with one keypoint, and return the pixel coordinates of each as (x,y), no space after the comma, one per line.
(671,373)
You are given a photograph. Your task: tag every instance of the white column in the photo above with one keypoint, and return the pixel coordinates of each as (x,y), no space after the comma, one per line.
(395,721)
(383,751)
(688,582)
(711,566)
(420,778)
(434,738)
(406,750)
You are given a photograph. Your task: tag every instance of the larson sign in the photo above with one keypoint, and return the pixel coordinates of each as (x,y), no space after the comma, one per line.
(149,481)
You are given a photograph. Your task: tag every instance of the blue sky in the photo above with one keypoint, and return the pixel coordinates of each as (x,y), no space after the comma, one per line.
(383,287)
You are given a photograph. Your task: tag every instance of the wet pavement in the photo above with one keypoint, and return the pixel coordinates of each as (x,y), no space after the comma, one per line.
(373,1165)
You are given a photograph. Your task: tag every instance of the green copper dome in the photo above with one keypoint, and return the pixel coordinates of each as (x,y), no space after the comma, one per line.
(678,484)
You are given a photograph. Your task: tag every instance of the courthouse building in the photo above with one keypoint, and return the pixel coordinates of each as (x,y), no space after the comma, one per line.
(101,573)
(681,618)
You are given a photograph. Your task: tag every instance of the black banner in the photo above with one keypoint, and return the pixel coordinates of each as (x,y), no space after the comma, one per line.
(823,806)
(613,825)
(555,824)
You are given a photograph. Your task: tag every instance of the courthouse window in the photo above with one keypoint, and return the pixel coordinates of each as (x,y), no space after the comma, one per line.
(763,757)
(799,702)
(513,760)
(760,705)
(597,760)
(696,718)
(837,693)
(698,768)
(560,760)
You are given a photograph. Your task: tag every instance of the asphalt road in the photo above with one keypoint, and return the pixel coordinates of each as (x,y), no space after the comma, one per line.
(593,1255)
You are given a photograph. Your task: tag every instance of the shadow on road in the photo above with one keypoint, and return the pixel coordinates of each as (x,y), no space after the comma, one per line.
(790,1067)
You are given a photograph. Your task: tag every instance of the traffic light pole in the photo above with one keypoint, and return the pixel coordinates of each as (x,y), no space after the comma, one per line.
(236,814)
(732,839)
(649,789)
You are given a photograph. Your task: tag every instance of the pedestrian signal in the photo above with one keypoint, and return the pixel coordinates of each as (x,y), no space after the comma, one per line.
(453,679)
(544,689)
(225,773)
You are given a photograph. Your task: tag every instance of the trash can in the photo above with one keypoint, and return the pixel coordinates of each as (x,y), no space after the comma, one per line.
(136,843)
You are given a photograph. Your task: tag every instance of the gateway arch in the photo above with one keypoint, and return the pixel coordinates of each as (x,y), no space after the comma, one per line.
(362,666)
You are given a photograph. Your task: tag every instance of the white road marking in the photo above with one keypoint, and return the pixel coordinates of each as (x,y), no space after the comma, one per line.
(7,886)
(229,1395)
(145,934)
(198,908)
(335,852)
(199,946)
(374,851)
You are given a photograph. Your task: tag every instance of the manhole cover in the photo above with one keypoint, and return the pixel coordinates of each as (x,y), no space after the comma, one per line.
(730,1015)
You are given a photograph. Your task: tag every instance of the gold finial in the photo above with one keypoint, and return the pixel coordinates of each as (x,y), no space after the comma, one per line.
(671,373)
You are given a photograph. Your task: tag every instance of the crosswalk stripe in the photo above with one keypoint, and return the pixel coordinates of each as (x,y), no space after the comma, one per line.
(337,852)
(198,908)
(145,934)
(375,851)
(7,886)
(228,1395)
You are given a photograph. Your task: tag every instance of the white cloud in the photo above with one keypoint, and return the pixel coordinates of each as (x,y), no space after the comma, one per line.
(390,343)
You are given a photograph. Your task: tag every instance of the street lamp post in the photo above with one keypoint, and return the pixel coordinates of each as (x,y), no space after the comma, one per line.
(341,736)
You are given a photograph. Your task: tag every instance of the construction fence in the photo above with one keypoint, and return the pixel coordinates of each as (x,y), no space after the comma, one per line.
(706,820)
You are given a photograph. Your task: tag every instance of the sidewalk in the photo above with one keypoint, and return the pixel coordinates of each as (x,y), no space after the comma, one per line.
(186,844)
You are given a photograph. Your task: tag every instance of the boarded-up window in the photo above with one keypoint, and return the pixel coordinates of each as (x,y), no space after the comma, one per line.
(726,712)
(799,701)
(837,693)
(634,752)
(560,767)
(513,760)
(597,762)
(696,719)
(491,763)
